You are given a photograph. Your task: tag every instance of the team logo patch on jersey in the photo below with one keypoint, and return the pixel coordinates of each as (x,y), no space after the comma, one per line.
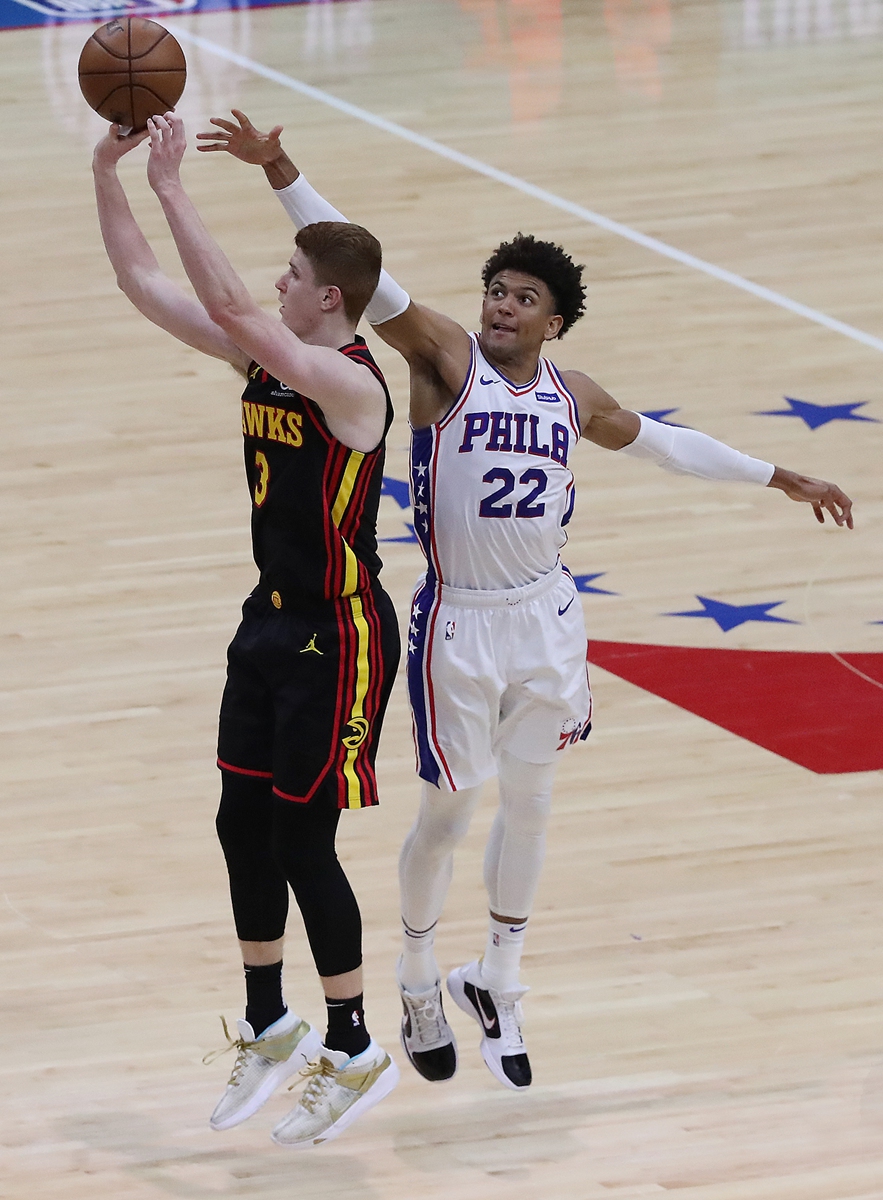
(358,730)
(548,397)
(573,731)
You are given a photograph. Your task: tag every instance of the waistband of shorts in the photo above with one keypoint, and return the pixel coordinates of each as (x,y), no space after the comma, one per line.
(505,597)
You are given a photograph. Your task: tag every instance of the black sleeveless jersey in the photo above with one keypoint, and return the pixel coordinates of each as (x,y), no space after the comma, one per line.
(314,500)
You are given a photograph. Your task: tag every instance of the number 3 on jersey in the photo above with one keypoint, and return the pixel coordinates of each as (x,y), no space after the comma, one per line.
(263,481)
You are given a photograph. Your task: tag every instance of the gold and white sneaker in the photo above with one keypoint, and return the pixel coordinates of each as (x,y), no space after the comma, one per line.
(338,1091)
(262,1064)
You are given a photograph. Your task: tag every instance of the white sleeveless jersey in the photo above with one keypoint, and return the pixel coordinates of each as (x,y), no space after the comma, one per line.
(491,486)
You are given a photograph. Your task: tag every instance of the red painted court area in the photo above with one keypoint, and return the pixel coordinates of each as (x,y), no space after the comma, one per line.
(821,712)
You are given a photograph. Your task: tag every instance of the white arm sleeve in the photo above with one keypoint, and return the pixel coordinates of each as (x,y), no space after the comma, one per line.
(305,206)
(688,452)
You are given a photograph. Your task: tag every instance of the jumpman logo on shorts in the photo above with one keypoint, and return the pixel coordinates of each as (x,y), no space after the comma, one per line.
(311,645)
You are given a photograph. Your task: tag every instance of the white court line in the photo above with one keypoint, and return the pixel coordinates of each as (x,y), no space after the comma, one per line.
(530,189)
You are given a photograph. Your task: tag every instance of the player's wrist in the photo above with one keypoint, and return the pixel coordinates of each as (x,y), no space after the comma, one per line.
(168,189)
(782,479)
(280,171)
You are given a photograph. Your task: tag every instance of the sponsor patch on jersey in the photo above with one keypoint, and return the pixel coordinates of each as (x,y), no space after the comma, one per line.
(548,397)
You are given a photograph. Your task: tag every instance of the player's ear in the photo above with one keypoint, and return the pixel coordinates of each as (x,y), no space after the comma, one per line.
(332,297)
(553,328)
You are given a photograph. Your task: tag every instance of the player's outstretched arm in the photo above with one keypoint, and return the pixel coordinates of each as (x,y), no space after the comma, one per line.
(138,273)
(435,346)
(689,452)
(350,397)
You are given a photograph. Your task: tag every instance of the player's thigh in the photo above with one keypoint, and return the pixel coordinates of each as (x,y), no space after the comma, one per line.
(334,676)
(547,705)
(455,684)
(246,720)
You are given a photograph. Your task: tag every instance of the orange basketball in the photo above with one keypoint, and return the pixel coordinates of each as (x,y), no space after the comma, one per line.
(131,69)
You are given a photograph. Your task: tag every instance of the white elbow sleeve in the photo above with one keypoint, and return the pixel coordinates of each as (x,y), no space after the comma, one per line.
(688,452)
(389,300)
(305,206)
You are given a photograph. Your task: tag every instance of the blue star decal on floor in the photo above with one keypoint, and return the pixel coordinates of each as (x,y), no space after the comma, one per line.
(398,489)
(410,536)
(816,415)
(731,616)
(659,414)
(584,584)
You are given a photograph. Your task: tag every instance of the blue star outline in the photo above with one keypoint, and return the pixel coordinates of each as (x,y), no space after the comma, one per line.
(817,415)
(584,584)
(731,616)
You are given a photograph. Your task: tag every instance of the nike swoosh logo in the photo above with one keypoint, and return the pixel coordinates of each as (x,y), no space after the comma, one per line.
(562,611)
(492,1025)
(489,1025)
(486,381)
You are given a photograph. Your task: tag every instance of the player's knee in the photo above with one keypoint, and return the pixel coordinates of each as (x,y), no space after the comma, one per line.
(242,811)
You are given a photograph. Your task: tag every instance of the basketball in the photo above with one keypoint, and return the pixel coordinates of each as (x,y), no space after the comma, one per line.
(131,69)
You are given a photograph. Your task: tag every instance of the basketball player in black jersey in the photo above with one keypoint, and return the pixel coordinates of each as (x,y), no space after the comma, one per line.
(312,664)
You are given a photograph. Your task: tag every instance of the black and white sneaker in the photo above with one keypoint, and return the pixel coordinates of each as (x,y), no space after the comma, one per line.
(427,1038)
(499,1015)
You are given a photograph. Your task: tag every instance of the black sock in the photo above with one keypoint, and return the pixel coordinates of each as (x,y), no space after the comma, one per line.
(346,1026)
(263,996)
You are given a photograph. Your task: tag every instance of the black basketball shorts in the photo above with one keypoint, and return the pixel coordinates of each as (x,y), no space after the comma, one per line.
(307,687)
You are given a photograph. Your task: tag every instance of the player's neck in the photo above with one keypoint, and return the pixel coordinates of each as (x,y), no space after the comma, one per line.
(518,367)
(333,332)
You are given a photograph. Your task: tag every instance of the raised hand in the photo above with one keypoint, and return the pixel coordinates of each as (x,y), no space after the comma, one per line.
(823,496)
(114,145)
(167,146)
(243,141)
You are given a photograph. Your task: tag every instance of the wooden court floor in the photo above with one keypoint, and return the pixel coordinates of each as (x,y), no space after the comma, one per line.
(705,961)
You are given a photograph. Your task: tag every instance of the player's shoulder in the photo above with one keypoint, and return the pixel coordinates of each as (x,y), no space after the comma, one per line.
(589,395)
(358,351)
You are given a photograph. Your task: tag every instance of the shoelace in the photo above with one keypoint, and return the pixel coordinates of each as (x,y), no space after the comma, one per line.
(321,1075)
(237,1044)
(510,1015)
(428,1017)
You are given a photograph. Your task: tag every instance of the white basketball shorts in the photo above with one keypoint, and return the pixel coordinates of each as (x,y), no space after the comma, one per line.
(495,670)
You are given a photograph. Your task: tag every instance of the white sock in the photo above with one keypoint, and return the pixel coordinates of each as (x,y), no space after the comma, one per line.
(502,955)
(418,970)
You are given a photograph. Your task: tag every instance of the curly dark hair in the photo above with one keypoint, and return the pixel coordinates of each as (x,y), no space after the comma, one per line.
(545,261)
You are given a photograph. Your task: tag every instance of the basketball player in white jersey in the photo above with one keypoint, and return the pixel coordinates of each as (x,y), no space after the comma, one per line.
(497,647)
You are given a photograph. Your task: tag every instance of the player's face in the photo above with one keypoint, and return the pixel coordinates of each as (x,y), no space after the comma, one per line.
(517,315)
(300,296)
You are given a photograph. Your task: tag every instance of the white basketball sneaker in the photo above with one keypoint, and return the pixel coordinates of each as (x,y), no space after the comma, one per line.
(261,1065)
(427,1038)
(338,1091)
(499,1015)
